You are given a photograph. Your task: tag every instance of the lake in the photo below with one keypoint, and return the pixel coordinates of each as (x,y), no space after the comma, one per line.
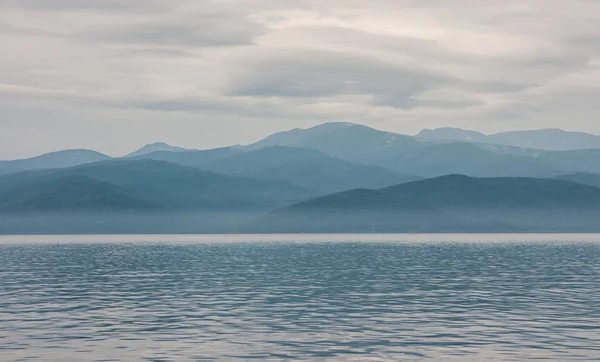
(300,298)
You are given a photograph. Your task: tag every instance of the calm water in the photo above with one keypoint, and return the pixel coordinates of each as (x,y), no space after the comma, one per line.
(309,298)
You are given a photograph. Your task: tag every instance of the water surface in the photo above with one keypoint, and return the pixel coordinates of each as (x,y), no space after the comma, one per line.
(300,298)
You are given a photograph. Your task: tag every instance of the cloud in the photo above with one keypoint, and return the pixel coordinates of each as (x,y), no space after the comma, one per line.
(309,73)
(401,65)
(84,5)
(209,31)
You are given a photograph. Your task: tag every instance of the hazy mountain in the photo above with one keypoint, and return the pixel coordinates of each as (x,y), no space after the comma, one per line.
(156,147)
(574,161)
(51,160)
(136,196)
(308,168)
(472,160)
(197,158)
(542,139)
(71,194)
(548,139)
(428,158)
(173,186)
(452,203)
(347,141)
(585,178)
(454,134)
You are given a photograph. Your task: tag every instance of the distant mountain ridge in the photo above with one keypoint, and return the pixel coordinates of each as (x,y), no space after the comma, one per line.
(304,167)
(308,168)
(348,141)
(452,134)
(73,193)
(173,186)
(334,177)
(409,155)
(58,159)
(192,158)
(435,153)
(453,203)
(551,139)
(153,196)
(136,196)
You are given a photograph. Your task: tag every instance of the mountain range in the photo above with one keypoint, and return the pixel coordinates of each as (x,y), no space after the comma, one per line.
(57,159)
(453,203)
(136,196)
(165,185)
(296,180)
(429,158)
(544,139)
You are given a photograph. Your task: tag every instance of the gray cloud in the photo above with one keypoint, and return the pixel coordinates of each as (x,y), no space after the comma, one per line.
(87,5)
(314,74)
(201,66)
(291,73)
(407,102)
(208,31)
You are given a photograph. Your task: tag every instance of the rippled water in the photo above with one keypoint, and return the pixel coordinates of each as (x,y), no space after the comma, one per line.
(359,298)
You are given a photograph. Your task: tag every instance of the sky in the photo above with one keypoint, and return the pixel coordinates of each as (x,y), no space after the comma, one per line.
(113,75)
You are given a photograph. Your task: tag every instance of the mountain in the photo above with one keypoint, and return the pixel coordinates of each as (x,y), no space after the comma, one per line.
(543,139)
(408,155)
(573,161)
(472,160)
(347,141)
(51,160)
(434,157)
(547,139)
(136,196)
(308,168)
(452,203)
(173,186)
(71,193)
(197,158)
(454,134)
(156,147)
(584,178)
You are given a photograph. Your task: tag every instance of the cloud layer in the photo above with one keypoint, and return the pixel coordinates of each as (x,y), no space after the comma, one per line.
(113,75)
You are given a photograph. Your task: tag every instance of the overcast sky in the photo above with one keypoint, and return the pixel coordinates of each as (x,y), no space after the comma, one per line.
(113,75)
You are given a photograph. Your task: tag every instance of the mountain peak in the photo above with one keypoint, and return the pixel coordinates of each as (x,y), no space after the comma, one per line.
(158,144)
(155,147)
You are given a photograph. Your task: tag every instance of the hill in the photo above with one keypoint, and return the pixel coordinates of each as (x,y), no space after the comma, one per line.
(453,203)
(308,168)
(51,160)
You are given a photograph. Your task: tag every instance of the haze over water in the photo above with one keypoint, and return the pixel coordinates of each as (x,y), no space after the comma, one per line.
(305,298)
